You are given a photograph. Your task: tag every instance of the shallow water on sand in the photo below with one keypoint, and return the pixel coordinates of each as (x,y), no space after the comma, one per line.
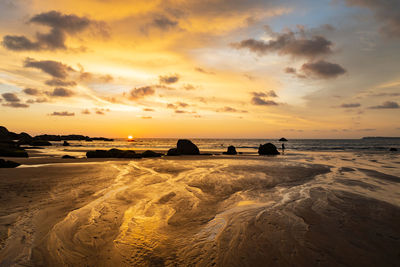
(304,209)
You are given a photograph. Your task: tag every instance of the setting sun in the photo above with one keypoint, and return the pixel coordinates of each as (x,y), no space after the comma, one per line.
(130,137)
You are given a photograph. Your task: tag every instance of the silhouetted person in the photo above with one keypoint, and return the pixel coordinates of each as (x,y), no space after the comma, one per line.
(283,148)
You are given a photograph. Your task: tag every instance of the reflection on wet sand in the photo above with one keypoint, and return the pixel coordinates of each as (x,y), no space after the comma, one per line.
(306,209)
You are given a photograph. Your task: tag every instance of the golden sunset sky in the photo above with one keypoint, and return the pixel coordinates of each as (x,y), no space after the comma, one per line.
(189,68)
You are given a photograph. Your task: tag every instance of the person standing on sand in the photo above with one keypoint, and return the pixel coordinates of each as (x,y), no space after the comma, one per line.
(283,148)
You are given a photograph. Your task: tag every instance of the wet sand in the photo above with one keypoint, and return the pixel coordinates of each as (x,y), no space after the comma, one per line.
(305,209)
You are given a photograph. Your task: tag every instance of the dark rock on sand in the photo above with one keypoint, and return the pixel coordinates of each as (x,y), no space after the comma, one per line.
(112,153)
(186,147)
(231,151)
(268,149)
(66,143)
(151,154)
(8,164)
(393,149)
(4,133)
(68,157)
(173,152)
(9,148)
(283,139)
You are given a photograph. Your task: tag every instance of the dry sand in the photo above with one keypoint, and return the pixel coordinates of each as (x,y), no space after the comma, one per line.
(305,209)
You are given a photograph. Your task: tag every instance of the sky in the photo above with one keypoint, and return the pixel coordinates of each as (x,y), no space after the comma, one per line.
(209,69)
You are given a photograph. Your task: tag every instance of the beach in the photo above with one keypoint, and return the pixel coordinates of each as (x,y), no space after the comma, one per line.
(301,208)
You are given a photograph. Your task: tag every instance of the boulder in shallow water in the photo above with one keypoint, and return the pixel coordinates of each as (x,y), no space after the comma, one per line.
(393,149)
(173,152)
(8,164)
(68,157)
(112,153)
(283,139)
(268,149)
(186,147)
(66,143)
(231,151)
(151,154)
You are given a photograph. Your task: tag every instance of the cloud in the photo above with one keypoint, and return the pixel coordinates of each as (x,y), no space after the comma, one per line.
(261,98)
(60,92)
(146,117)
(31,91)
(56,20)
(41,100)
(16,105)
(181,111)
(350,105)
(148,109)
(169,79)
(201,70)
(141,92)
(53,68)
(11,97)
(60,25)
(189,87)
(59,82)
(164,23)
(322,69)
(90,77)
(258,101)
(385,11)
(85,112)
(62,113)
(230,109)
(288,43)
(290,70)
(270,93)
(387,105)
(177,105)
(99,112)
(19,43)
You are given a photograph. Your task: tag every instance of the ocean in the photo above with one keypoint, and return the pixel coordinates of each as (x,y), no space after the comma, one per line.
(246,145)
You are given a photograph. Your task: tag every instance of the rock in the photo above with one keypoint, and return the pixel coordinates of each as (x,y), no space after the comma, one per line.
(47,137)
(393,149)
(18,153)
(9,148)
(151,154)
(268,149)
(4,133)
(186,147)
(283,139)
(65,143)
(101,139)
(40,143)
(89,140)
(8,164)
(75,137)
(112,153)
(231,151)
(68,157)
(173,152)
